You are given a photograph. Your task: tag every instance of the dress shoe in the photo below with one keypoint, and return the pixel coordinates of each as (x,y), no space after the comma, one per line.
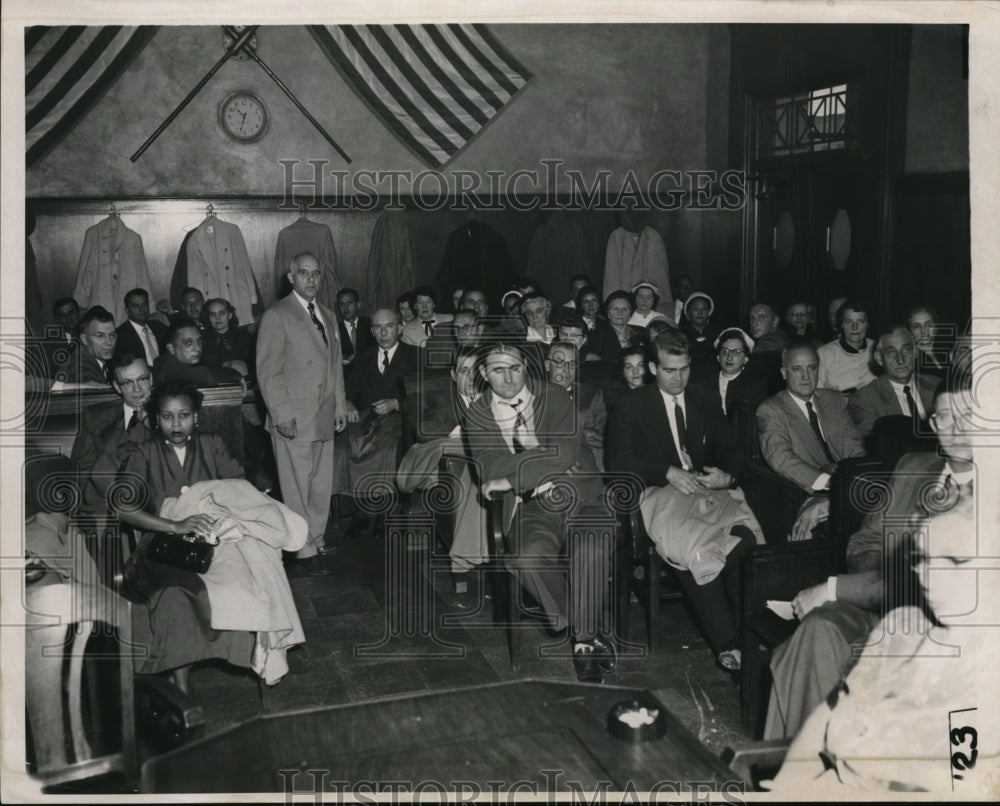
(316,566)
(607,652)
(327,550)
(585,661)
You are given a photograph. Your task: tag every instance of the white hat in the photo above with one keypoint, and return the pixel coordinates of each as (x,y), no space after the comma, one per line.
(645,284)
(503,299)
(694,296)
(746,337)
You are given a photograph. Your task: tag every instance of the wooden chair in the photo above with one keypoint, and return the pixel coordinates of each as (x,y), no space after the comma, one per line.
(509,608)
(780,571)
(649,589)
(754,762)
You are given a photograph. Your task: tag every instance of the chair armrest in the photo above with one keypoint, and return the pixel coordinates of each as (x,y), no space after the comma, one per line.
(496,532)
(756,761)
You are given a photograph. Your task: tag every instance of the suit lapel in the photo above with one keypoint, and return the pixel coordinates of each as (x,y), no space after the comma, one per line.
(656,412)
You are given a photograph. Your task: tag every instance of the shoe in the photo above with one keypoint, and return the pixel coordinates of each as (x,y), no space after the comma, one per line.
(586,664)
(731,660)
(316,566)
(607,653)
(327,550)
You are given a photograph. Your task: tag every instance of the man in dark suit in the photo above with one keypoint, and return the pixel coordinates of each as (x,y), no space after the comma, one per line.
(896,392)
(139,335)
(108,431)
(91,363)
(805,431)
(839,614)
(375,390)
(182,359)
(355,331)
(301,378)
(524,440)
(67,315)
(672,436)
(561,367)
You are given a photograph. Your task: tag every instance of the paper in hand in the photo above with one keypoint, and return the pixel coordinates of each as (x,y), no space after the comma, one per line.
(783,609)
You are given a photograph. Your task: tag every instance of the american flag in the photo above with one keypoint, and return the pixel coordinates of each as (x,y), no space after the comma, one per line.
(67,69)
(434,86)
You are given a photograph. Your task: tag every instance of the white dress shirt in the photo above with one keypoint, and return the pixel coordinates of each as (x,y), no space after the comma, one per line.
(901,397)
(823,479)
(506,417)
(668,404)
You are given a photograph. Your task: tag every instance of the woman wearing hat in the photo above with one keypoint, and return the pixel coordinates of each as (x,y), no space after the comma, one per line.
(645,297)
(732,386)
(697,310)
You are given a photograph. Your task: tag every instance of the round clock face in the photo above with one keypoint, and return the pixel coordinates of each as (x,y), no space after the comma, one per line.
(243,117)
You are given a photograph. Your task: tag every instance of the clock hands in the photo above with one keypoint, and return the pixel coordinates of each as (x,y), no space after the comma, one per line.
(253,55)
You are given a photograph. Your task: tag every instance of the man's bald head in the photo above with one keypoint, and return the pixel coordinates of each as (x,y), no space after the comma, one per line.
(800,369)
(385,328)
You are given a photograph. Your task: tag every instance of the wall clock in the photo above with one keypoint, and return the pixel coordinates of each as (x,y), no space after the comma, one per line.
(243,116)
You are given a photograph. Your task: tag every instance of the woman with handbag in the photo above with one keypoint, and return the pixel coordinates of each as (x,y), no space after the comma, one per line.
(175,626)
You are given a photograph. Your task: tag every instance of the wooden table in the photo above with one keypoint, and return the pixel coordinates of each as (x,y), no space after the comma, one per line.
(530,736)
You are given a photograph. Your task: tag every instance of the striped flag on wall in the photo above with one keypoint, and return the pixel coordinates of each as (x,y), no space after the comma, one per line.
(434,86)
(67,69)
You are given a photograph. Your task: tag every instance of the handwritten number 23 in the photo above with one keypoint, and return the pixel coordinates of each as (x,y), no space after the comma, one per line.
(959,736)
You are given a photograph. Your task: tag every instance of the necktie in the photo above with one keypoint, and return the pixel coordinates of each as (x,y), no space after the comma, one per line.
(429,327)
(682,434)
(133,422)
(108,375)
(520,428)
(319,324)
(911,403)
(151,350)
(352,332)
(814,422)
(385,361)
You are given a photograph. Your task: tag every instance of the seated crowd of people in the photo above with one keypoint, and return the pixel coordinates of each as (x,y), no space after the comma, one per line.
(542,396)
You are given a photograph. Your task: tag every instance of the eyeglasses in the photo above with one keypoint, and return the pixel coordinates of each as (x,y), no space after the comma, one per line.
(561,363)
(131,383)
(725,352)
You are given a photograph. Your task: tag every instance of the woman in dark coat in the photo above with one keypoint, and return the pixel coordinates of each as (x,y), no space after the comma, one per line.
(176,626)
(732,386)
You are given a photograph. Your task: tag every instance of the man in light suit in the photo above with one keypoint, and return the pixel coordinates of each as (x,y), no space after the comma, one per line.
(139,335)
(301,378)
(896,392)
(841,612)
(422,328)
(805,431)
(521,438)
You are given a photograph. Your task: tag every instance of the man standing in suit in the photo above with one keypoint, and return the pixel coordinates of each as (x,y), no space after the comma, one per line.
(139,335)
(805,431)
(301,378)
(91,364)
(108,431)
(355,330)
(524,440)
(896,392)
(422,328)
(839,614)
(672,436)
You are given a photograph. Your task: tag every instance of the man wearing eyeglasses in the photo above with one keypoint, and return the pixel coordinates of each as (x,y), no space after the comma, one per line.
(561,367)
(837,615)
(109,431)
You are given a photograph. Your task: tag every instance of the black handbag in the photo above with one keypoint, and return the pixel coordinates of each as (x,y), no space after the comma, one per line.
(185,551)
